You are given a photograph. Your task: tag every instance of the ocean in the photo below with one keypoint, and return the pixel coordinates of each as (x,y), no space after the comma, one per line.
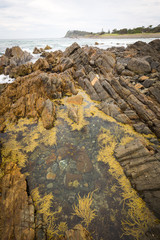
(60,44)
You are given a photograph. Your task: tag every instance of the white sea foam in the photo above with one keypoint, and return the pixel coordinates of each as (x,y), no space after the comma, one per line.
(6,79)
(59,44)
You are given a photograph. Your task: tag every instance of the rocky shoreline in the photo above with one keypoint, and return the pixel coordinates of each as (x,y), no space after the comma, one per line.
(124,82)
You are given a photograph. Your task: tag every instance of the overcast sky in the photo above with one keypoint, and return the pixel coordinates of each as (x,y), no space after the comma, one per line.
(53,18)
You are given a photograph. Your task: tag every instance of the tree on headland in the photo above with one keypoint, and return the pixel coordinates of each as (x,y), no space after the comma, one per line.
(149,29)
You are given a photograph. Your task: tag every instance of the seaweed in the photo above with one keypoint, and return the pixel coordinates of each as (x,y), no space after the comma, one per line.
(43,206)
(83,209)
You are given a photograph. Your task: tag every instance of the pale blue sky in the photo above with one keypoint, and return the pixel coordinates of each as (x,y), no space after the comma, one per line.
(53,18)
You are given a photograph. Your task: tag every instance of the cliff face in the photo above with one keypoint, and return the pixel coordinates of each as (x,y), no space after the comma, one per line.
(76,33)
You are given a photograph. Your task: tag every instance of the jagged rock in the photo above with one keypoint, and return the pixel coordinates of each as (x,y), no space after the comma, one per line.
(48,114)
(90,90)
(94,79)
(12,58)
(17,210)
(142,49)
(155,91)
(119,67)
(16,56)
(70,50)
(148,83)
(40,64)
(26,97)
(139,65)
(155,44)
(4,61)
(142,128)
(22,70)
(64,64)
(143,168)
(36,51)
(73,114)
(104,61)
(47,47)
(126,72)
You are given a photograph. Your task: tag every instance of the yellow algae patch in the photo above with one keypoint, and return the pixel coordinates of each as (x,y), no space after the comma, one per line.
(32,135)
(47,137)
(30,141)
(22,138)
(83,209)
(138,218)
(80,115)
(114,188)
(93,111)
(43,206)
(62,227)
(22,125)
(11,152)
(106,139)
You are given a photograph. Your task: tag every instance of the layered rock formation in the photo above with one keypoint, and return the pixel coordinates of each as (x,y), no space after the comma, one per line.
(17,210)
(13,57)
(124,82)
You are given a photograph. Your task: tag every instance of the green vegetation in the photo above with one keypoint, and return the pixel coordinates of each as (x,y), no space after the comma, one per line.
(140,30)
(149,29)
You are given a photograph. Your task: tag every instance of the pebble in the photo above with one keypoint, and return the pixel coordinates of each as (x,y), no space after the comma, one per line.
(50,185)
(51,176)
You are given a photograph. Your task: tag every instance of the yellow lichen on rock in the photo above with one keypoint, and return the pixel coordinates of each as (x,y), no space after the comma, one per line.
(83,209)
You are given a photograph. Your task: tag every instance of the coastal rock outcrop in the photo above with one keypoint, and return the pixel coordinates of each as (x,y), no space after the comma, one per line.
(142,166)
(31,96)
(124,82)
(41,50)
(139,66)
(17,209)
(12,58)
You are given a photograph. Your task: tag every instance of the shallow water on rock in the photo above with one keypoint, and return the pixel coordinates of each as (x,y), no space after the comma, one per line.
(72,166)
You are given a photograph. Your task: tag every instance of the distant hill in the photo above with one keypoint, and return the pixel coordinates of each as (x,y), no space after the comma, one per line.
(76,33)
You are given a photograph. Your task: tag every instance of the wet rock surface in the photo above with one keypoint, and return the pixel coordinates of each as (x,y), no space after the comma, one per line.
(126,85)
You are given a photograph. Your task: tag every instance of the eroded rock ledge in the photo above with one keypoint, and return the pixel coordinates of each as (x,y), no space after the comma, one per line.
(17,209)
(126,84)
